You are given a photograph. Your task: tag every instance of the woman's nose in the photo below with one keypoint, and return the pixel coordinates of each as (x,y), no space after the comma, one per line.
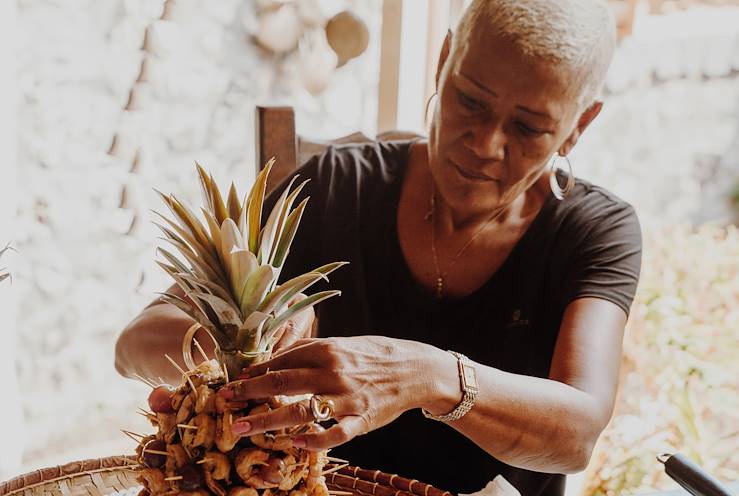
(488,142)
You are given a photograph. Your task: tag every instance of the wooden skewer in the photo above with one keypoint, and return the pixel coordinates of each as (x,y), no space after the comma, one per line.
(138,441)
(204,460)
(200,349)
(133,433)
(335,469)
(187,426)
(336,493)
(145,381)
(334,459)
(179,369)
(148,415)
(156,452)
(174,478)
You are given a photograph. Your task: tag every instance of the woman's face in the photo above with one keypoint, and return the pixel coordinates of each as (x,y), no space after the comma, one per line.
(499,118)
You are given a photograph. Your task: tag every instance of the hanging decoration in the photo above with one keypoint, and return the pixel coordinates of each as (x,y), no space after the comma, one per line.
(298,31)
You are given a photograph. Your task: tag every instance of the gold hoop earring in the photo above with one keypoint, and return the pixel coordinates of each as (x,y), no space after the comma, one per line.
(428,105)
(559,192)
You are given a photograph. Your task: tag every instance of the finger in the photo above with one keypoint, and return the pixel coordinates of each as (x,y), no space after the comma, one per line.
(345,430)
(302,355)
(290,333)
(274,383)
(291,415)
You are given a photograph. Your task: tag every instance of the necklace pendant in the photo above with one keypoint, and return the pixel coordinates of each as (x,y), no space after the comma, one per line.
(439,287)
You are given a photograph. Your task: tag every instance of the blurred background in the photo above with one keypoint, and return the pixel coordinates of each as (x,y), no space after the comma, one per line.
(102,101)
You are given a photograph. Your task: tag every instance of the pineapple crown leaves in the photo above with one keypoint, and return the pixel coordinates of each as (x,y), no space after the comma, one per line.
(3,272)
(229,263)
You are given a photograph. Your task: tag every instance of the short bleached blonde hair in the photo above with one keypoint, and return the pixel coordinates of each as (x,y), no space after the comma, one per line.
(579,34)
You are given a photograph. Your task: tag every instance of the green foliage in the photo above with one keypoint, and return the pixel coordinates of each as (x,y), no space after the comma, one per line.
(680,374)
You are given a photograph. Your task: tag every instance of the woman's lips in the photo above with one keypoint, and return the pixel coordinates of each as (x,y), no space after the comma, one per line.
(470,175)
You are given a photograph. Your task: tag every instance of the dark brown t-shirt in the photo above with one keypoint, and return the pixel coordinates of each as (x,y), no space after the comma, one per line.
(587,245)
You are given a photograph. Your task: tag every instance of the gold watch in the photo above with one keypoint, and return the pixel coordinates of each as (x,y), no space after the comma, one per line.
(468,382)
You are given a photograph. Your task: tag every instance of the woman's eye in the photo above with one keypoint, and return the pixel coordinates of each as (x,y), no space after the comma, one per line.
(528,130)
(469,102)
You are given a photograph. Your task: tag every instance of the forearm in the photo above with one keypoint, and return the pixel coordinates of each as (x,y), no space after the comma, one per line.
(532,423)
(156,331)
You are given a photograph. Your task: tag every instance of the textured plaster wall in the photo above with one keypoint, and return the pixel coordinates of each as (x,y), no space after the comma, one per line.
(83,271)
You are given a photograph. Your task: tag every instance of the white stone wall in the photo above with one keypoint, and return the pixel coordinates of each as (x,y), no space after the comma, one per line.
(82,273)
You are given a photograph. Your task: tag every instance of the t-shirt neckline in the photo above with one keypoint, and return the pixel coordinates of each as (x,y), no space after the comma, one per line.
(422,292)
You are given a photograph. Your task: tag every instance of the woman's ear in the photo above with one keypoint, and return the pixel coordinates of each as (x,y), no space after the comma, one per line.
(443,56)
(583,122)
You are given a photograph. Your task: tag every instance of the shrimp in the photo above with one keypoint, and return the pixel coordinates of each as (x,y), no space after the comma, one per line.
(205,434)
(225,438)
(186,409)
(243,491)
(321,489)
(298,492)
(206,402)
(295,472)
(316,461)
(176,458)
(214,487)
(153,480)
(167,425)
(245,464)
(217,464)
(281,442)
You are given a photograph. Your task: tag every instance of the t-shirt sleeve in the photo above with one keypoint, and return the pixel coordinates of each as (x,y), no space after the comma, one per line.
(605,260)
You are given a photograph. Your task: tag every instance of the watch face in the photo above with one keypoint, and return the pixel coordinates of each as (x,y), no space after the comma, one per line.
(469,377)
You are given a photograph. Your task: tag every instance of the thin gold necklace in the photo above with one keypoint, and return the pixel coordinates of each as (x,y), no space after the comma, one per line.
(439,275)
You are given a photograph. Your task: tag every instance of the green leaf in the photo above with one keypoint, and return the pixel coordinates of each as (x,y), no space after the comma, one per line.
(314,299)
(256,288)
(256,200)
(219,207)
(243,264)
(271,232)
(174,260)
(291,227)
(234,207)
(250,332)
(227,314)
(215,232)
(282,295)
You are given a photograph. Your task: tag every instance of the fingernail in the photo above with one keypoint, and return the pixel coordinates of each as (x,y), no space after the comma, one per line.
(240,428)
(299,442)
(226,393)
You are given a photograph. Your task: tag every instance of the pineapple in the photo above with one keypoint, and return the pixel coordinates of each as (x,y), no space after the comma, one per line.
(234,264)
(229,270)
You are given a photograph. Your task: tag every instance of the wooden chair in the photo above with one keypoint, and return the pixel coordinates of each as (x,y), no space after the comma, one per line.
(276,137)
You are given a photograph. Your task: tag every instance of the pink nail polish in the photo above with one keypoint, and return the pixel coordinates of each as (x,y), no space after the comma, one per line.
(241,428)
(299,442)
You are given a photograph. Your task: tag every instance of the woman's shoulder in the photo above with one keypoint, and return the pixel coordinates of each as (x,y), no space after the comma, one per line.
(594,213)
(589,202)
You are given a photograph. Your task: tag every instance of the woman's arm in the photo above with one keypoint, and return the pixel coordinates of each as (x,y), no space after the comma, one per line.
(547,425)
(159,330)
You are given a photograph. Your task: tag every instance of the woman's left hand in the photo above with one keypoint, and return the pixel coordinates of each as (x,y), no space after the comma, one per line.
(371,381)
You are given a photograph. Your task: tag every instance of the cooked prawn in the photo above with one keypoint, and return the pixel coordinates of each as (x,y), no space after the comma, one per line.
(217,464)
(225,438)
(248,459)
(243,491)
(153,480)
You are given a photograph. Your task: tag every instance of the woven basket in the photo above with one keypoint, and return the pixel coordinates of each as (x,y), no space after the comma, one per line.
(113,475)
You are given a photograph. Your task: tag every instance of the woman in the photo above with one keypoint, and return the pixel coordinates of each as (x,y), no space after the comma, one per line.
(458,243)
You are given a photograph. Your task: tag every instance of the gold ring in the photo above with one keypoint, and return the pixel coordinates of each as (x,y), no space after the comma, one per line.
(321,408)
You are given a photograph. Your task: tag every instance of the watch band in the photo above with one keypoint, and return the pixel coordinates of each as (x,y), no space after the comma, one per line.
(468,383)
